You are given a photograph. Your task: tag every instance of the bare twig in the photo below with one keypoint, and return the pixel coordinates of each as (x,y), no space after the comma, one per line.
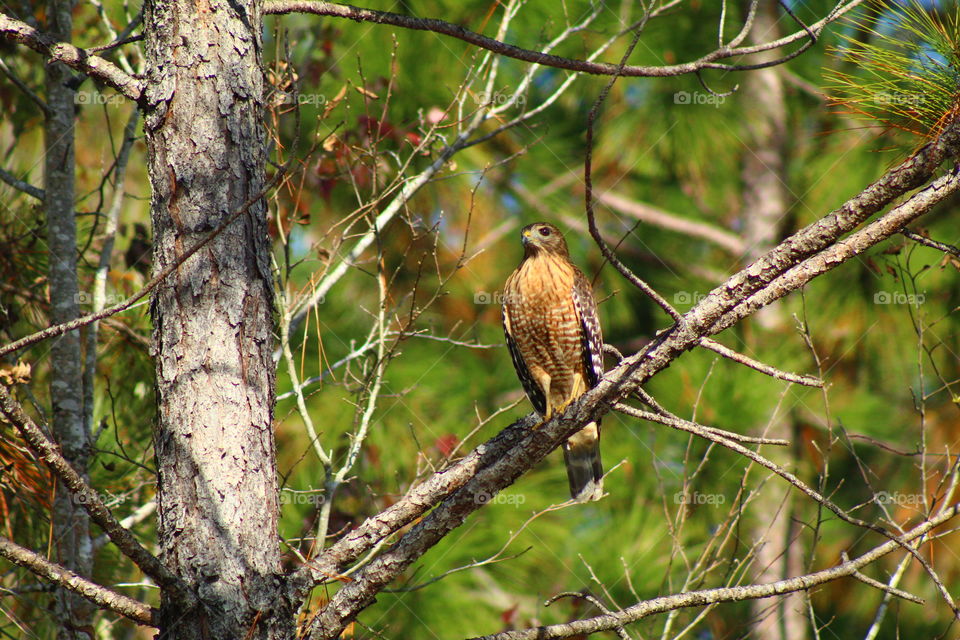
(607,252)
(665,220)
(103,266)
(933,244)
(21,185)
(20,84)
(727,352)
(876,584)
(665,417)
(620,631)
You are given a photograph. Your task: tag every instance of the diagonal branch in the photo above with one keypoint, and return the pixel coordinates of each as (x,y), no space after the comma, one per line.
(412,506)
(856,243)
(773,372)
(22,185)
(95,593)
(60,329)
(816,237)
(930,242)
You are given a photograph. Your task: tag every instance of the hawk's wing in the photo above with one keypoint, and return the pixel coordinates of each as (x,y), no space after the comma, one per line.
(591,335)
(529,385)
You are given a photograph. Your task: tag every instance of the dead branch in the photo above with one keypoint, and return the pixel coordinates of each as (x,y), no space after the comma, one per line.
(671,222)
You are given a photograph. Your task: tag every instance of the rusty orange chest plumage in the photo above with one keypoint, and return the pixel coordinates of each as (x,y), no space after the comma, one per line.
(538,304)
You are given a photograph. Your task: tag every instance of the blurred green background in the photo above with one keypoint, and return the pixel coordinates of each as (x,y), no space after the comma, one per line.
(680,514)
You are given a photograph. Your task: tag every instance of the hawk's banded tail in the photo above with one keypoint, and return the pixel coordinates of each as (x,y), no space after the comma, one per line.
(584,469)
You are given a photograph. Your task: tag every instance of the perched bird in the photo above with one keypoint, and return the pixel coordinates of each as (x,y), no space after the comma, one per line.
(553,332)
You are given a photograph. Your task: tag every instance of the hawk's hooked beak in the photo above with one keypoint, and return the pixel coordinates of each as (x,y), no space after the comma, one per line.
(525,237)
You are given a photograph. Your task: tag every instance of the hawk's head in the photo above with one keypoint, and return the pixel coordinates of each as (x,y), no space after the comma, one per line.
(543,236)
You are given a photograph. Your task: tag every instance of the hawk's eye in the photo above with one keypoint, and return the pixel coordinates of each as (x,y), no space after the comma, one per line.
(545,231)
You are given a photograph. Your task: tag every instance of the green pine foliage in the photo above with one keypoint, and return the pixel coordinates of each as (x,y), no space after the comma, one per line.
(907,74)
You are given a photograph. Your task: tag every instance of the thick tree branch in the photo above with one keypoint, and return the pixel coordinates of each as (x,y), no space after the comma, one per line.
(20,84)
(98,595)
(413,505)
(708,61)
(75,58)
(909,175)
(858,242)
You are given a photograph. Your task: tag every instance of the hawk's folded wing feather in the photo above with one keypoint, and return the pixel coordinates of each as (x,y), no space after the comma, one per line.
(591,335)
(530,386)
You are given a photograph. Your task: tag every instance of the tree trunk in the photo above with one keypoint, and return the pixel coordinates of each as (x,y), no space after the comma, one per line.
(765,204)
(71,525)
(217,495)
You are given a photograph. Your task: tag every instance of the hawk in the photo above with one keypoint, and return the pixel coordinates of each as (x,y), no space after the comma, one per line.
(553,333)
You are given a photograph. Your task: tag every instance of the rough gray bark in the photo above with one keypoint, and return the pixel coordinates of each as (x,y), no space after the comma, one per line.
(71,525)
(217,494)
(765,206)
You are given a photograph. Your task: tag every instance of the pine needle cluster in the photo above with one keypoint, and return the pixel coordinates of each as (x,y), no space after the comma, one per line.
(907,66)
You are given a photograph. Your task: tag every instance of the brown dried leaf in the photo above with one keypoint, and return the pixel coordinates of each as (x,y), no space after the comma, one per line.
(366,92)
(332,104)
(950,259)
(12,374)
(331,142)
